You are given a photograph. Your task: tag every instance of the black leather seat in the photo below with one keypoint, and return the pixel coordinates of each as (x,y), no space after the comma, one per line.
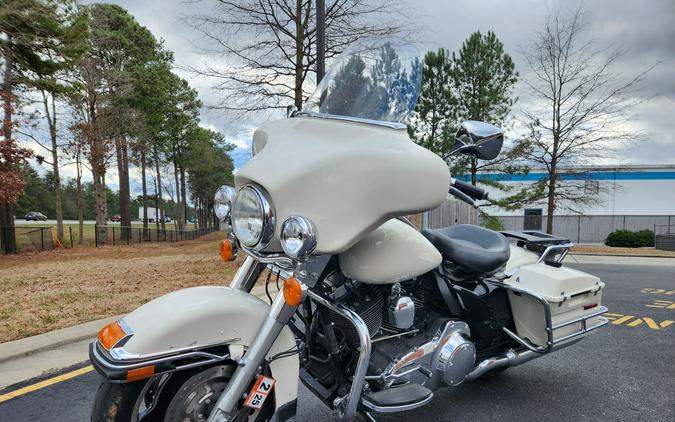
(476,249)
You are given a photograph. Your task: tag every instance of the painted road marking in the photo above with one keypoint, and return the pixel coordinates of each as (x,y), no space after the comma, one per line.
(46,383)
(665,304)
(657,291)
(618,319)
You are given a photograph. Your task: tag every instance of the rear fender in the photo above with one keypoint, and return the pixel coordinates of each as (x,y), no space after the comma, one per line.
(191,320)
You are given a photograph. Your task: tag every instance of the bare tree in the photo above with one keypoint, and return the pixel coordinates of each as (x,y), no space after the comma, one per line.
(580,112)
(270,45)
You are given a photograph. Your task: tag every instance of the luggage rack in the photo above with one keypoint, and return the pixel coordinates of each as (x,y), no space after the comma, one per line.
(551,343)
(542,243)
(550,328)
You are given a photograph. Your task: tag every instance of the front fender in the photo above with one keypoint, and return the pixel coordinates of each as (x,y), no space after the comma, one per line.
(200,317)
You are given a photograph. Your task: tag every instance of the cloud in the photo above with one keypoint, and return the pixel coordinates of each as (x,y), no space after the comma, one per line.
(643,31)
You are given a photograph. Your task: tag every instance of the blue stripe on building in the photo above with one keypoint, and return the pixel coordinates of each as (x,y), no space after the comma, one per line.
(604,175)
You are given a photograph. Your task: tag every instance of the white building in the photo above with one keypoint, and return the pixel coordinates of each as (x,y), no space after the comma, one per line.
(628,197)
(622,190)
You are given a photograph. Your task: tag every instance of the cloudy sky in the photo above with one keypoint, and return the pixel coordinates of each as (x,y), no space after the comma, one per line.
(643,31)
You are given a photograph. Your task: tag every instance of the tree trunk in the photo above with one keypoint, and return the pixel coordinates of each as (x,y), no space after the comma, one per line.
(299,31)
(144,187)
(474,170)
(183,199)
(160,205)
(122,151)
(101,202)
(158,214)
(550,207)
(80,203)
(7,231)
(175,175)
(51,120)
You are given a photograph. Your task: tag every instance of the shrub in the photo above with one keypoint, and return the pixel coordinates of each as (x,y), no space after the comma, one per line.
(630,239)
(492,223)
(646,238)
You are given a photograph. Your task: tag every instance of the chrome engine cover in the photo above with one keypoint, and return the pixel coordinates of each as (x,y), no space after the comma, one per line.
(455,356)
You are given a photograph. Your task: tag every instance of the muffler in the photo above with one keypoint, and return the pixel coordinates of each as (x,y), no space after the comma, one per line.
(511,358)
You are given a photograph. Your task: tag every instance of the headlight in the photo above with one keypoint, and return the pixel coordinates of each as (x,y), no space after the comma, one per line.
(252,218)
(298,236)
(222,202)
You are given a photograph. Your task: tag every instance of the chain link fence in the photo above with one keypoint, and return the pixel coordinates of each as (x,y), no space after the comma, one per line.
(44,238)
(126,235)
(577,228)
(664,236)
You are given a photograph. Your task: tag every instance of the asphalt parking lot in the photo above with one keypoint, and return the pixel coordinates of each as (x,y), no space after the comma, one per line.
(625,372)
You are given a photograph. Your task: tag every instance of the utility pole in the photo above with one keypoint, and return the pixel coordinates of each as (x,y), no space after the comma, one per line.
(320,40)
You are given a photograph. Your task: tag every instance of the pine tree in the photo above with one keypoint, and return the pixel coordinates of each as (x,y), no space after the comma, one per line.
(33,42)
(482,77)
(433,118)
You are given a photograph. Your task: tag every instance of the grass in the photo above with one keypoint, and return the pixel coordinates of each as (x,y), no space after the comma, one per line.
(609,250)
(28,236)
(56,289)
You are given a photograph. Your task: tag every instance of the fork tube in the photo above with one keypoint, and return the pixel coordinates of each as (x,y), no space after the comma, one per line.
(247,274)
(279,314)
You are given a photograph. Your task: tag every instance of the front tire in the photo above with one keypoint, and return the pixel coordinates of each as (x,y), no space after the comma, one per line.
(177,399)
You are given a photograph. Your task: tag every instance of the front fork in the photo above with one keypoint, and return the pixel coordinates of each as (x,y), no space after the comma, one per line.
(279,314)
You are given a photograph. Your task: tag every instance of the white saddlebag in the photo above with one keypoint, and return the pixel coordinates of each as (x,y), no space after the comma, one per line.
(571,295)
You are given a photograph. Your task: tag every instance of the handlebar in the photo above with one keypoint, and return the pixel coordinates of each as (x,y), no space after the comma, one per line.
(470,190)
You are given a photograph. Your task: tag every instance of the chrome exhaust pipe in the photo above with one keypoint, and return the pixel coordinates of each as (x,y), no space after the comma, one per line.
(511,358)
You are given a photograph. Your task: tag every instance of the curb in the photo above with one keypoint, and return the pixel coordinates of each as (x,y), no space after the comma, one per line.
(53,339)
(620,255)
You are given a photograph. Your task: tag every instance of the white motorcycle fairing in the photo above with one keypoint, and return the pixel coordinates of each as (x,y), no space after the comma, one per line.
(189,320)
(374,173)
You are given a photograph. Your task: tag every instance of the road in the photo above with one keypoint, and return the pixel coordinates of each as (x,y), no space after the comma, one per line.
(625,372)
(22,222)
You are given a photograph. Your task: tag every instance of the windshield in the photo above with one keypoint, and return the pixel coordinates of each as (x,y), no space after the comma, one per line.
(377,81)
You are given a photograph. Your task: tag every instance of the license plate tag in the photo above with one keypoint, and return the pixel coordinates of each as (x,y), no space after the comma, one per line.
(258,394)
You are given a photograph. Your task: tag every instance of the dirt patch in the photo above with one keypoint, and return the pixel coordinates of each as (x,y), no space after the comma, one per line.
(50,290)
(608,250)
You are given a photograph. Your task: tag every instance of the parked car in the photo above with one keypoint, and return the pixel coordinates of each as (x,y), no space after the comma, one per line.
(35,216)
(167,219)
(116,218)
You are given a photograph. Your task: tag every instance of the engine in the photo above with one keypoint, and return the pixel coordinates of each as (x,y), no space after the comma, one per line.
(386,309)
(409,327)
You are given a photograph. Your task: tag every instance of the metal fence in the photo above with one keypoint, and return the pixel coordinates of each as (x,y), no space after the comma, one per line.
(126,235)
(593,228)
(43,238)
(664,236)
(577,228)
(34,238)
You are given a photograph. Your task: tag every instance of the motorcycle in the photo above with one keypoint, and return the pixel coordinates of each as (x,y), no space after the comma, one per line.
(373,315)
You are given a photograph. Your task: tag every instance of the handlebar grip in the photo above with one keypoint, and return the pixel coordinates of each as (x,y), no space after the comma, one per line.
(470,190)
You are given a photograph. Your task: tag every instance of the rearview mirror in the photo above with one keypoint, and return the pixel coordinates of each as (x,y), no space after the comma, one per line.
(482,140)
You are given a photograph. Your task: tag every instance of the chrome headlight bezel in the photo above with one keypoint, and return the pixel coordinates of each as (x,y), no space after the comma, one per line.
(223,201)
(298,236)
(267,216)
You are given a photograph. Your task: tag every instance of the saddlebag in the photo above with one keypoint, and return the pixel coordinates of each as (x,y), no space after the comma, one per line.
(573,299)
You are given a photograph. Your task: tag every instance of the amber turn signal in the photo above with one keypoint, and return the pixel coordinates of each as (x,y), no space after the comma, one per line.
(140,373)
(292,291)
(111,334)
(226,250)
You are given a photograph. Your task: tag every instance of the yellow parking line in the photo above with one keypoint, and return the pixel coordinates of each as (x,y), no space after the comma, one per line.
(45,383)
(622,320)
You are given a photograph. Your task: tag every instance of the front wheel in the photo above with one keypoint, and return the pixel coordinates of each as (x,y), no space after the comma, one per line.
(179,397)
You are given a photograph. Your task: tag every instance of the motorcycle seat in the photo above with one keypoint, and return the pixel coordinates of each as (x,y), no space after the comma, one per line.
(475,249)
